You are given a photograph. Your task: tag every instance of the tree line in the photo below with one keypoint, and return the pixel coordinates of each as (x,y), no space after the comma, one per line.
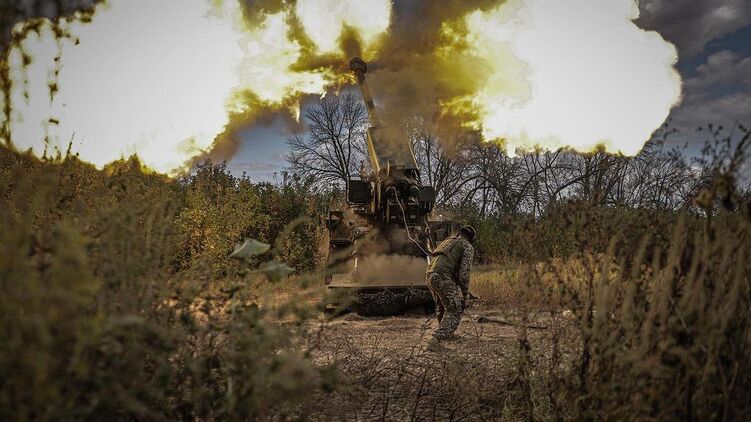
(469,173)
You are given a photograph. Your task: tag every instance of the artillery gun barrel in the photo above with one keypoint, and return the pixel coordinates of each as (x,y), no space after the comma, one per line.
(358,66)
(384,152)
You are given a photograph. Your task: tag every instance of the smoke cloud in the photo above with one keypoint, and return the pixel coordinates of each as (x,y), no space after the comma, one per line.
(175,80)
(529,74)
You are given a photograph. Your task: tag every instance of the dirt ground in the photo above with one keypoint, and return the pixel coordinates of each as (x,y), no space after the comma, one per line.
(387,372)
(399,333)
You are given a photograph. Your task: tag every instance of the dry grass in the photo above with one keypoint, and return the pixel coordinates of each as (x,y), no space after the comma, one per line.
(111,310)
(514,284)
(660,338)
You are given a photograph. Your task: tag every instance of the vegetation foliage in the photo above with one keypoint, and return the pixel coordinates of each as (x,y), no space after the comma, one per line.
(119,299)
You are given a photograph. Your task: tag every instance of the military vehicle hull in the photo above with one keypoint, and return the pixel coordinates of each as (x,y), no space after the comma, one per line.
(381,273)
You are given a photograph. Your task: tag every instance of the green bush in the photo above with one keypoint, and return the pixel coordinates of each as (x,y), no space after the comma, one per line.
(96,322)
(220,210)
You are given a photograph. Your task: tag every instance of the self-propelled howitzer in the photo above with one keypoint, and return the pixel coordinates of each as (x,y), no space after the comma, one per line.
(380,244)
(392,191)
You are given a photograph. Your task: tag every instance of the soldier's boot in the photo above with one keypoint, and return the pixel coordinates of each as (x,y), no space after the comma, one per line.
(435,345)
(454,337)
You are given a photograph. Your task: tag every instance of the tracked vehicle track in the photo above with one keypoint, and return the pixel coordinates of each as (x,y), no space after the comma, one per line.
(389,302)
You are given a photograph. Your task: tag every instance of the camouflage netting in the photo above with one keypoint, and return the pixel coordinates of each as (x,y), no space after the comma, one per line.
(389,302)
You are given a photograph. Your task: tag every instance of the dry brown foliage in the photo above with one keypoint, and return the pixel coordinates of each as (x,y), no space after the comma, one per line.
(119,302)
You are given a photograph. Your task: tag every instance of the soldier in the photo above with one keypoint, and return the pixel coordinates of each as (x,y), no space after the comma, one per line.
(447,277)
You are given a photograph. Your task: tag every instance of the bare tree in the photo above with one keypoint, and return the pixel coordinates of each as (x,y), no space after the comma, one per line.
(495,183)
(479,177)
(333,147)
(658,179)
(491,178)
(444,170)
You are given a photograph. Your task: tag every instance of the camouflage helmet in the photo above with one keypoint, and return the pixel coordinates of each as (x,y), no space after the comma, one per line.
(469,232)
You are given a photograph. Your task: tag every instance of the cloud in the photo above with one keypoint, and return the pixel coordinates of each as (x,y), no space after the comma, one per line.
(722,69)
(258,171)
(691,24)
(718,93)
(256,167)
(724,110)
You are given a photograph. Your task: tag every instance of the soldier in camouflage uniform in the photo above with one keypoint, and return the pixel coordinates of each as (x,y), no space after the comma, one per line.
(447,277)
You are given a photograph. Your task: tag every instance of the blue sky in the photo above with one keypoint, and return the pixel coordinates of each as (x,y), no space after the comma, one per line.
(713,38)
(261,154)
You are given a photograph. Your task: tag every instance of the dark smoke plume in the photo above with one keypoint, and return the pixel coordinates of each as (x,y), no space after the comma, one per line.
(409,77)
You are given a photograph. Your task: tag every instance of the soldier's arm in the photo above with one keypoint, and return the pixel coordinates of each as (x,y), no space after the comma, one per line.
(465,267)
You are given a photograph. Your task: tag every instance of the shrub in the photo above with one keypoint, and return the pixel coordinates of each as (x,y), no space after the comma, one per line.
(95,322)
